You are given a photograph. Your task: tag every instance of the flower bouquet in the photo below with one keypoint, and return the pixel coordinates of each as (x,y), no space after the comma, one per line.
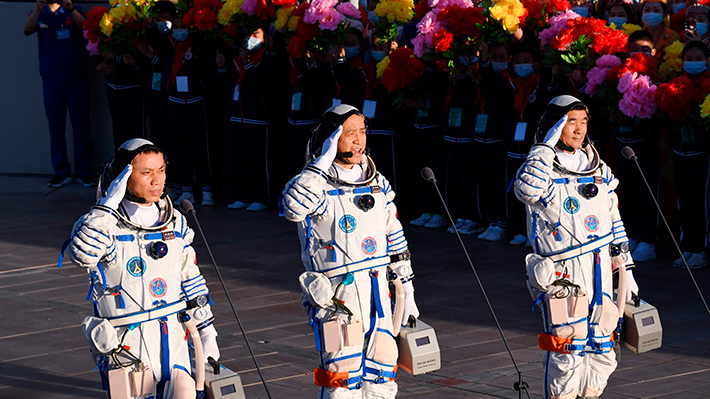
(672,64)
(401,72)
(540,12)
(391,14)
(117,29)
(682,100)
(321,25)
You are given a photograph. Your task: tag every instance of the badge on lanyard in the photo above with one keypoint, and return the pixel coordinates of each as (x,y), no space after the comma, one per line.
(296,102)
(481,122)
(368,108)
(63,34)
(520,129)
(422,113)
(181,82)
(455,117)
(236,93)
(157,78)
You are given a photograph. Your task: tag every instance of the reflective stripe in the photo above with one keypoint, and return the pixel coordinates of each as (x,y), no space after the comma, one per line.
(369,263)
(148,315)
(581,249)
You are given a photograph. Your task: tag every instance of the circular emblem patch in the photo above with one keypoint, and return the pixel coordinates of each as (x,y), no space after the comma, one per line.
(136,266)
(369,245)
(188,55)
(532,98)
(158,287)
(571,205)
(347,223)
(591,223)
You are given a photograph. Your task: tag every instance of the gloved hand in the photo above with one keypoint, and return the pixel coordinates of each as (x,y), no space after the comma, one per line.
(208,336)
(553,135)
(631,285)
(329,151)
(410,307)
(117,189)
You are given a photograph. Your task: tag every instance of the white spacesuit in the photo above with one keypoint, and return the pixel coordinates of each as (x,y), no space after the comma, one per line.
(352,244)
(577,237)
(143,277)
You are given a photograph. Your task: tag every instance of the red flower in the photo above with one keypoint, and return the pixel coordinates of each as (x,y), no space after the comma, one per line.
(442,40)
(300,11)
(264,9)
(283,3)
(557,5)
(91,25)
(403,70)
(677,97)
(296,46)
(462,22)
(203,14)
(205,19)
(421,9)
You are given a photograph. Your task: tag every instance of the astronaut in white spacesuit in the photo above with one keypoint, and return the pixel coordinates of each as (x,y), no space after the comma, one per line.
(143,276)
(352,245)
(578,237)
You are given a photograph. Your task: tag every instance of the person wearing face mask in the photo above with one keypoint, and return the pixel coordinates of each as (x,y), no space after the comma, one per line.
(464,100)
(581,8)
(250,77)
(621,13)
(653,13)
(381,117)
(677,12)
(643,135)
(348,62)
(534,88)
(697,16)
(182,53)
(489,146)
(690,145)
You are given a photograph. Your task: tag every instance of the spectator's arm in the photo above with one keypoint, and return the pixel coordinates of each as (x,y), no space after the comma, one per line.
(76,15)
(31,20)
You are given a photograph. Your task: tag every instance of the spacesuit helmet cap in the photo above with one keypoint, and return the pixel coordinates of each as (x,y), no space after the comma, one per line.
(329,122)
(124,156)
(556,109)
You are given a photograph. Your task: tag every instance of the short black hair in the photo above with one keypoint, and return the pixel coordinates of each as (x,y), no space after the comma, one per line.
(504,44)
(663,6)
(696,44)
(641,35)
(522,49)
(163,6)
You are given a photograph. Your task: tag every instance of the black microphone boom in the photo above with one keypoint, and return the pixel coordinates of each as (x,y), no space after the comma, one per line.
(187,207)
(521,385)
(628,153)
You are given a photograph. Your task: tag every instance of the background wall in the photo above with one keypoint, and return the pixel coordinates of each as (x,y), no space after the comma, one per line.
(24,133)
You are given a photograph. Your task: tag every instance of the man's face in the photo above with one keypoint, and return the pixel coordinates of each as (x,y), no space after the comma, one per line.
(523,58)
(498,54)
(576,128)
(642,46)
(353,139)
(148,177)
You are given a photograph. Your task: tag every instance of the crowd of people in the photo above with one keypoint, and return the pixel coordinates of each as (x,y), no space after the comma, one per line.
(235,118)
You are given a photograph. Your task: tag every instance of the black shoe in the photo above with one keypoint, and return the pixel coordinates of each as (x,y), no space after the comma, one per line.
(87,181)
(58,181)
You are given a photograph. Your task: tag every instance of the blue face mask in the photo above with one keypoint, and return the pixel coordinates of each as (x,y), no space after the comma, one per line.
(164,26)
(694,67)
(582,11)
(378,55)
(180,34)
(648,53)
(372,17)
(701,28)
(468,60)
(352,52)
(618,21)
(499,66)
(677,7)
(652,19)
(523,70)
(253,44)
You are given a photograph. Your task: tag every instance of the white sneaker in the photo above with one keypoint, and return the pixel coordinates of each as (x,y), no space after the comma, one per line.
(519,239)
(644,252)
(484,235)
(496,233)
(237,205)
(256,207)
(207,199)
(436,222)
(469,227)
(679,262)
(421,220)
(633,244)
(185,196)
(458,225)
(698,260)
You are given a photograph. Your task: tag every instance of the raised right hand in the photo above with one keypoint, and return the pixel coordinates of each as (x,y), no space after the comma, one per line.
(329,151)
(117,189)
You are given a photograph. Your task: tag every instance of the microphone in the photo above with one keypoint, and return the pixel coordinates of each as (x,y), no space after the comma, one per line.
(347,154)
(628,153)
(521,385)
(187,207)
(428,175)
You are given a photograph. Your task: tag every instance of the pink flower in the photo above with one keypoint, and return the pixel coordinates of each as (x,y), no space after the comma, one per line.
(557,24)
(429,23)
(638,95)
(348,9)
(608,61)
(93,47)
(330,20)
(595,77)
(418,43)
(249,6)
(626,81)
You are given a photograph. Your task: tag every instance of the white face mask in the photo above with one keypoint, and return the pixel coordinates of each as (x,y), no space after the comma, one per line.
(652,19)
(499,66)
(253,44)
(164,26)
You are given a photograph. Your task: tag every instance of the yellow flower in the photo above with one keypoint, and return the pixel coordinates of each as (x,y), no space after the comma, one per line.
(672,65)
(282,16)
(628,29)
(382,65)
(400,11)
(704,107)
(228,10)
(508,13)
(106,24)
(293,23)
